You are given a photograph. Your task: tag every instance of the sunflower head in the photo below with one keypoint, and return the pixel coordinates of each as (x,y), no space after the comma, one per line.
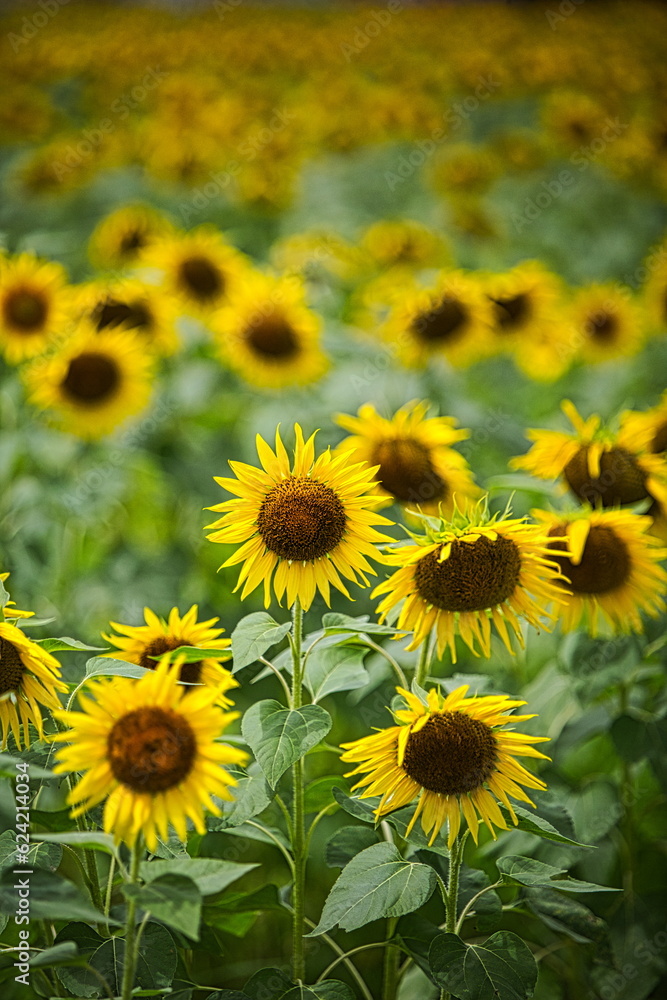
(131,304)
(120,238)
(33,307)
(455,755)
(605,322)
(29,679)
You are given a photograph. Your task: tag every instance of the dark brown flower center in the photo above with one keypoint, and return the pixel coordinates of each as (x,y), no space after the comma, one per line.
(301,519)
(659,442)
(477,575)
(151,749)
(190,673)
(602,326)
(133,240)
(201,278)
(512,312)
(406,471)
(452,754)
(112,312)
(272,337)
(91,378)
(444,322)
(25,311)
(621,479)
(605,562)
(12,667)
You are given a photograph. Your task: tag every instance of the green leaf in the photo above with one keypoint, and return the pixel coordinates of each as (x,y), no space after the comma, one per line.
(23,623)
(252,795)
(566,916)
(329,989)
(4,595)
(103,666)
(8,769)
(363,809)
(156,964)
(346,843)
(487,911)
(51,898)
(530,822)
(93,840)
(253,635)
(335,668)
(174,899)
(59,954)
(376,883)
(267,984)
(503,968)
(227,995)
(46,856)
(334,622)
(192,654)
(319,793)
(210,875)
(528,871)
(65,643)
(635,738)
(59,821)
(279,736)
(417,838)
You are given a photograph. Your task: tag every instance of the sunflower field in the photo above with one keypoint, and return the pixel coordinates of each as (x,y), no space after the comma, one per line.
(333,500)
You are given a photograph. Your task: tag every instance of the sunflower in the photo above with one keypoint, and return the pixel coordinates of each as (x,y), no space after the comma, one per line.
(142,644)
(29,677)
(119,239)
(314,252)
(150,748)
(572,119)
(133,304)
(267,333)
(312,522)
(524,299)
(464,168)
(95,382)
(416,465)
(32,306)
(403,243)
(456,754)
(465,575)
(599,466)
(10,610)
(198,268)
(453,319)
(606,323)
(612,567)
(655,290)
(647,431)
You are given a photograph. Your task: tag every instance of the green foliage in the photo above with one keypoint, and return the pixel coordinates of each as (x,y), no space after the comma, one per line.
(279,736)
(503,968)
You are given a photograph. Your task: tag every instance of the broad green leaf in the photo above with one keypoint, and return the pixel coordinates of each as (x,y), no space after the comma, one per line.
(334,622)
(328,989)
(528,871)
(234,904)
(279,736)
(64,953)
(59,821)
(503,968)
(363,809)
(253,635)
(102,666)
(51,898)
(335,668)
(267,984)
(46,856)
(174,899)
(417,933)
(487,911)
(252,795)
(156,965)
(376,883)
(93,840)
(23,623)
(210,875)
(530,822)
(66,643)
(8,769)
(346,843)
(192,654)
(319,793)
(227,995)
(566,916)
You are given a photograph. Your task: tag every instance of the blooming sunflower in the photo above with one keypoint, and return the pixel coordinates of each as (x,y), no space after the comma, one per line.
(32,306)
(267,333)
(132,304)
(150,748)
(143,643)
(456,754)
(29,677)
(404,243)
(95,382)
(611,567)
(465,575)
(312,522)
(647,431)
(453,319)
(606,323)
(416,464)
(119,239)
(599,466)
(199,268)
(523,300)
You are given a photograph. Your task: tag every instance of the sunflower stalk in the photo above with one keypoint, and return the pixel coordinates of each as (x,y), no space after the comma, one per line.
(451,898)
(391,961)
(130,956)
(423,663)
(298,808)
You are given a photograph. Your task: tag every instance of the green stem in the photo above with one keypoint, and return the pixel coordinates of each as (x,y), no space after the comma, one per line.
(391,960)
(298,812)
(400,676)
(130,958)
(424,661)
(452,900)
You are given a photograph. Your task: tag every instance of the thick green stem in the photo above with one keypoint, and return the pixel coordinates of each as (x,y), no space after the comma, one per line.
(130,957)
(452,899)
(391,960)
(298,826)
(424,661)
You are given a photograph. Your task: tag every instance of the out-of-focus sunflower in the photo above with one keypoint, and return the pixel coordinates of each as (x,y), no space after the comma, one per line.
(612,567)
(599,465)
(143,643)
(455,754)
(312,522)
(452,319)
(132,304)
(199,268)
(268,335)
(606,323)
(524,299)
(464,576)
(572,118)
(416,464)
(33,306)
(655,292)
(29,678)
(647,430)
(314,252)
(150,748)
(464,168)
(404,243)
(119,239)
(94,382)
